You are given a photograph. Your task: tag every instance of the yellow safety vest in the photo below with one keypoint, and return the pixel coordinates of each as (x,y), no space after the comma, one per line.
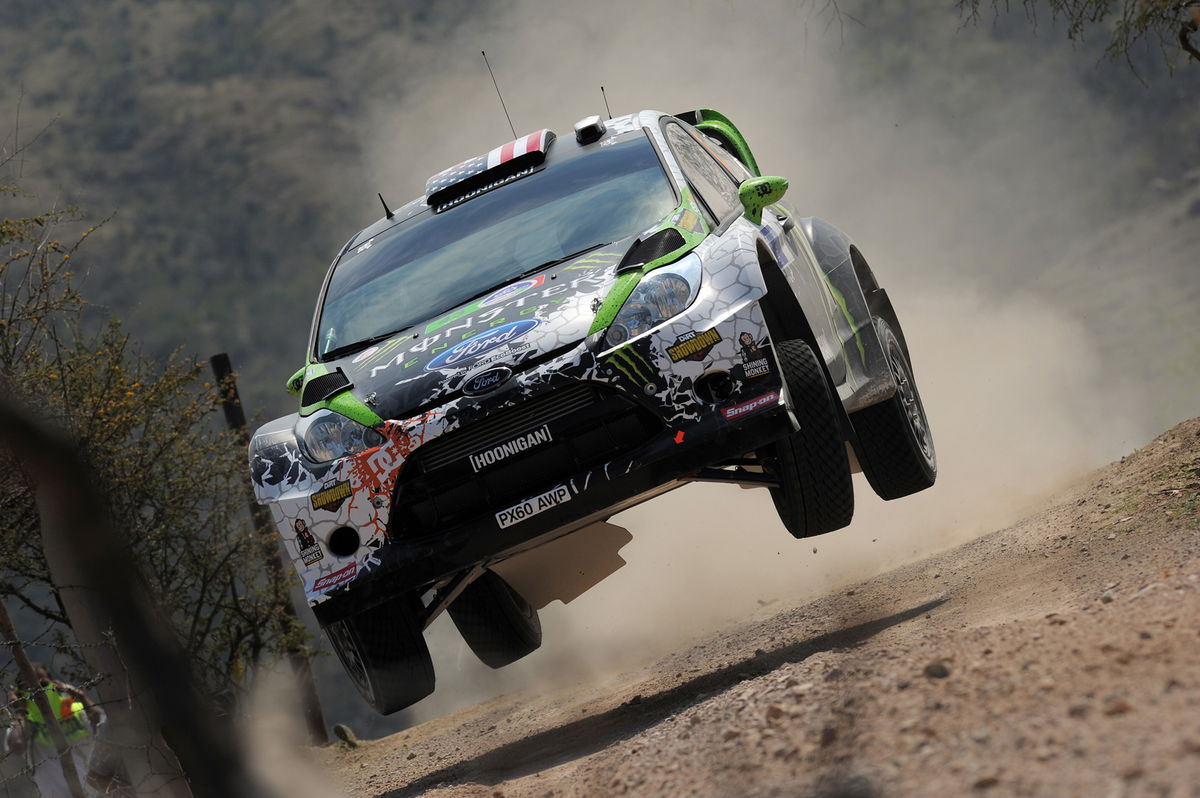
(72,718)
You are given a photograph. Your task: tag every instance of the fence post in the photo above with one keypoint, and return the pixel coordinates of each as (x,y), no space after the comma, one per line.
(235,418)
(49,715)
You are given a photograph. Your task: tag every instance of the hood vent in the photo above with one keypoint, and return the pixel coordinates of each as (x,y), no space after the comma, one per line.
(663,242)
(321,388)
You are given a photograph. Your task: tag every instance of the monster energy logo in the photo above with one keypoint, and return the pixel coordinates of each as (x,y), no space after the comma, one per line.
(633,364)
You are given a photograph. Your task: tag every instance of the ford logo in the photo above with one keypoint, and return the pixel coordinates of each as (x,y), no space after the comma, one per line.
(477,345)
(486,381)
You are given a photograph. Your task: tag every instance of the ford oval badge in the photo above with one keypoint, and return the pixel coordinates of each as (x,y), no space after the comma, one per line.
(486,380)
(461,353)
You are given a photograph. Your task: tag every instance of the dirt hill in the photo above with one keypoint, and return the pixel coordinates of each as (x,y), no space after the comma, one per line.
(1054,657)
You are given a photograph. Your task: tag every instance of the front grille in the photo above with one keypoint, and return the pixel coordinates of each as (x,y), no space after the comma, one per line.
(586,424)
(505,425)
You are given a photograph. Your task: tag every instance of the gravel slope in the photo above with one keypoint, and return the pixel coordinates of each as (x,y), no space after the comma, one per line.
(1055,657)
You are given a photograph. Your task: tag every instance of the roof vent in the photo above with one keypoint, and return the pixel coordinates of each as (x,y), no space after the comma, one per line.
(589,129)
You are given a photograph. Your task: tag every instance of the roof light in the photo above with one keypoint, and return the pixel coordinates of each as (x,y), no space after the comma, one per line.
(589,129)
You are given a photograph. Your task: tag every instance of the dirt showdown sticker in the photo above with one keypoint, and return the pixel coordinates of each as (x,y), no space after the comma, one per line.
(693,345)
(331,498)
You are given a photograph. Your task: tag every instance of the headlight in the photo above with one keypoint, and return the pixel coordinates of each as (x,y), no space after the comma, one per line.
(327,436)
(664,293)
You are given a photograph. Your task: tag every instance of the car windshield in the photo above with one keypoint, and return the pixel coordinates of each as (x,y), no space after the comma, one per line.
(434,262)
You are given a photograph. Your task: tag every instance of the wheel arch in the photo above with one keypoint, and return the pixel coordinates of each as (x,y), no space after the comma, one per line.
(878,301)
(784,315)
(786,320)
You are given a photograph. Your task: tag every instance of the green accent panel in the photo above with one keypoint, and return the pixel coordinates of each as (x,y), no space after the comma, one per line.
(675,254)
(627,282)
(840,298)
(349,406)
(295,382)
(311,371)
(613,302)
(719,123)
(344,403)
(759,192)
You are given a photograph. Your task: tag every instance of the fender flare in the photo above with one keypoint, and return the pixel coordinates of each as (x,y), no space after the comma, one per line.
(785,318)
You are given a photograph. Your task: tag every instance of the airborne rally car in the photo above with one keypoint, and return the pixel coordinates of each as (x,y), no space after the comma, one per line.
(556,331)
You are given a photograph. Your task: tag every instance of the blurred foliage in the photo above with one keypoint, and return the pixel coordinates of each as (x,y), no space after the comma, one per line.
(224,136)
(174,483)
(1170,24)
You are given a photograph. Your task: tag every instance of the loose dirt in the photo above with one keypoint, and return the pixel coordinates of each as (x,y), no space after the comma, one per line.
(1057,657)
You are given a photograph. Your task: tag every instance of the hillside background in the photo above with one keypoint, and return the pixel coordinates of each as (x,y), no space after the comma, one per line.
(234,146)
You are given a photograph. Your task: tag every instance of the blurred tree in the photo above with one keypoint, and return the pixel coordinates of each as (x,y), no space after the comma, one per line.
(174,479)
(1168,22)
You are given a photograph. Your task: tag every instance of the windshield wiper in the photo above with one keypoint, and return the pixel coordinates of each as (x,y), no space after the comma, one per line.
(346,349)
(563,259)
(528,272)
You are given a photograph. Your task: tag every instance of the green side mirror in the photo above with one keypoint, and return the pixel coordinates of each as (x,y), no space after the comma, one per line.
(296,382)
(759,192)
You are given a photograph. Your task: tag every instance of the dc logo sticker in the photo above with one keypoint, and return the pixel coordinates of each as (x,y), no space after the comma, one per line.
(477,345)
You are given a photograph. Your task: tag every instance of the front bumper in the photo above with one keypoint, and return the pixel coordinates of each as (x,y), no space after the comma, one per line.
(422,519)
(591,495)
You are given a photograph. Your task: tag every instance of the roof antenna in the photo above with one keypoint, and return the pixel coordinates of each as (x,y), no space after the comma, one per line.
(605,96)
(498,94)
(386,209)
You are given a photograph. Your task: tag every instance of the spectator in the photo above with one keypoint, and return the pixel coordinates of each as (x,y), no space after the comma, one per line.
(78,717)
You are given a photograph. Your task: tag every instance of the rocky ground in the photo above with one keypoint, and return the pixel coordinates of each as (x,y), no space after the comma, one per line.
(1060,656)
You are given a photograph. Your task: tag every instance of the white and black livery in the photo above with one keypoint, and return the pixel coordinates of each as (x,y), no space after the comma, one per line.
(556,331)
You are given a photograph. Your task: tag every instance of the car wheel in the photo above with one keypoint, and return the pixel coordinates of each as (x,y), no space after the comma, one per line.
(497,622)
(895,445)
(384,653)
(815,493)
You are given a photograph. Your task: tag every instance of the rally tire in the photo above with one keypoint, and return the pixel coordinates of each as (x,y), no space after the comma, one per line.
(496,621)
(815,493)
(384,653)
(895,445)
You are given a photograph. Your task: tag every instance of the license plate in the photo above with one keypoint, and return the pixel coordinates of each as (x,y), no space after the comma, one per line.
(531,507)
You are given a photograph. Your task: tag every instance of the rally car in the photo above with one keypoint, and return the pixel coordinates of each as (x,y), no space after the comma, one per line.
(557,330)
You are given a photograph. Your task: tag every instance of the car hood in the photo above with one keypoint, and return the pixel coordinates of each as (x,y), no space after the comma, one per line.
(517,325)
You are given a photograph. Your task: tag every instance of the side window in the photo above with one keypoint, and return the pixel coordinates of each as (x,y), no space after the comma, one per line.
(728,158)
(715,187)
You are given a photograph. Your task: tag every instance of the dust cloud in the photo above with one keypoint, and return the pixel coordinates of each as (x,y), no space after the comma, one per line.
(273,732)
(956,212)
